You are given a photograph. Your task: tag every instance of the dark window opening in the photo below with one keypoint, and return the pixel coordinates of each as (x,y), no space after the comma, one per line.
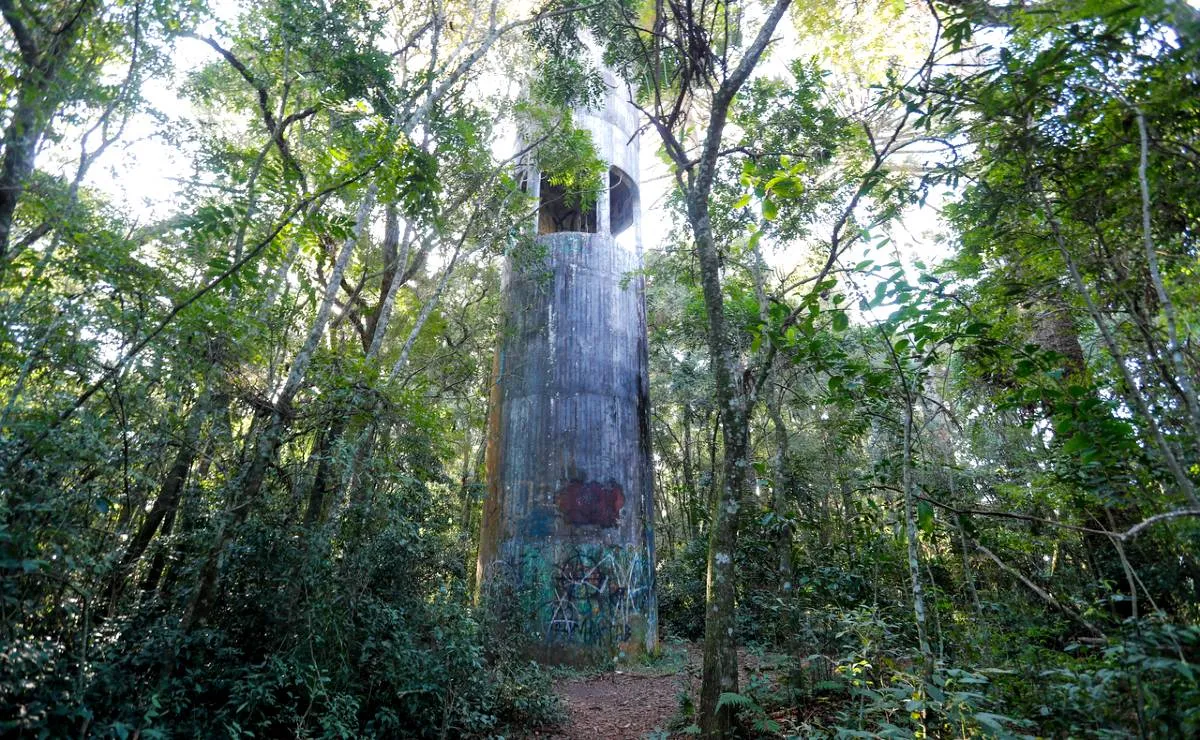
(622,200)
(561,211)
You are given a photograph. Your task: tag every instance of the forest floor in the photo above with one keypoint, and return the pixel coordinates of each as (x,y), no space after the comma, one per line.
(636,701)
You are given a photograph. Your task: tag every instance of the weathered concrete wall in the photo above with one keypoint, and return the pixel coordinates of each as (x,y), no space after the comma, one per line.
(567,541)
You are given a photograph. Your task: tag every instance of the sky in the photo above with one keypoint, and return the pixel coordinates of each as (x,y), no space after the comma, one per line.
(146,171)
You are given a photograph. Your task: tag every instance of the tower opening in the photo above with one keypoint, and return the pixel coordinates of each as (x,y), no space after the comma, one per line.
(622,200)
(563,211)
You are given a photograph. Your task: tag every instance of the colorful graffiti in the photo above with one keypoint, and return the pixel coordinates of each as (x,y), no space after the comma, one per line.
(590,597)
(598,595)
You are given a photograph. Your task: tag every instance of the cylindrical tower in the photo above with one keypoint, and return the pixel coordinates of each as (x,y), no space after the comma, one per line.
(567,547)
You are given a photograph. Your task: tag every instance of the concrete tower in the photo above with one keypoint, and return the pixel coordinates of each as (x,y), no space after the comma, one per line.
(567,547)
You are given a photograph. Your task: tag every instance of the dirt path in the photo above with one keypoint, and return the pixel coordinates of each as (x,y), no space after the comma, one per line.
(635,702)
(630,704)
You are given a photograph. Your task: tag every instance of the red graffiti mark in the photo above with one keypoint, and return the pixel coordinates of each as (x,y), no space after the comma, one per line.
(591,503)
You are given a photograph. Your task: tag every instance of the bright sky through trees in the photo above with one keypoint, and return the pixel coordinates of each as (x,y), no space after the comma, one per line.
(921,364)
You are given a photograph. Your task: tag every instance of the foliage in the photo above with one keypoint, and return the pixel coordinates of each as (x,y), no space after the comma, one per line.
(242,431)
(564,153)
(228,423)
(948,455)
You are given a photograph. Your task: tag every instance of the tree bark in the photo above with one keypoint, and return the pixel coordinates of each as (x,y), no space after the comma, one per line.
(734,400)
(720,656)
(914,552)
(36,100)
(167,501)
(779,489)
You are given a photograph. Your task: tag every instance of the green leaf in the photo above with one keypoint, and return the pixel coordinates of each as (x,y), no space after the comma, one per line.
(880,292)
(786,187)
(994,722)
(1077,444)
(925,517)
(769,210)
(767,725)
(742,202)
(840,321)
(731,699)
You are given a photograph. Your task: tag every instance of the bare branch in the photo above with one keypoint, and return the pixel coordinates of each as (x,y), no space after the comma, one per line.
(1045,595)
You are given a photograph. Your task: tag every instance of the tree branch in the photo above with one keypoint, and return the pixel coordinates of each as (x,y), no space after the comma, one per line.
(119,367)
(1045,595)
(25,43)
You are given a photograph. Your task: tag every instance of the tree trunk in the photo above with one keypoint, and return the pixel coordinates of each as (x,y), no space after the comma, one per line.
(36,100)
(849,513)
(689,474)
(735,398)
(720,656)
(779,489)
(323,482)
(910,527)
(158,562)
(167,502)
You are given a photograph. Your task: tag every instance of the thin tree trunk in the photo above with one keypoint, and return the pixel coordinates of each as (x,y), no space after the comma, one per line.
(472,463)
(323,482)
(1132,392)
(398,275)
(1174,348)
(968,574)
(910,526)
(37,97)
(713,468)
(849,513)
(158,562)
(167,501)
(689,474)
(720,656)
(247,487)
(427,309)
(220,435)
(734,403)
(779,489)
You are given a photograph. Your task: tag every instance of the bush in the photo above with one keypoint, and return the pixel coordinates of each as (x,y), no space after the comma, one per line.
(681,587)
(311,639)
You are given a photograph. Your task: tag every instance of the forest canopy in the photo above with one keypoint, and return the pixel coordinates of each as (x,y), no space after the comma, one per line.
(922,309)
